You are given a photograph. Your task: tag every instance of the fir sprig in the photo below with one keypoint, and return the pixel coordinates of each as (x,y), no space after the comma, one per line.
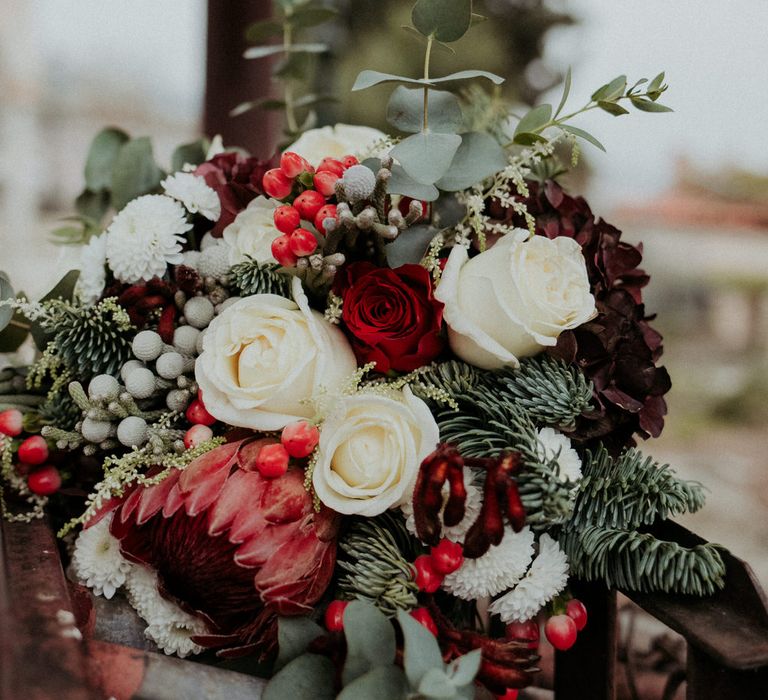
(253,277)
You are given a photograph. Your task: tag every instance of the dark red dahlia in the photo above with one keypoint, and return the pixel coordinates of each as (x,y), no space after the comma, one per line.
(237,180)
(618,350)
(231,547)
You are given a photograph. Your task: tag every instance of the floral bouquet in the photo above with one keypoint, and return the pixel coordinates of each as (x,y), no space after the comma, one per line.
(362,410)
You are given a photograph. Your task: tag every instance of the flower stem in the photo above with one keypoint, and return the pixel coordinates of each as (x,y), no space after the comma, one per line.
(290,114)
(427,54)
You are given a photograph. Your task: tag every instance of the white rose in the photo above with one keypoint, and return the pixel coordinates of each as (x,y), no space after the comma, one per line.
(370,451)
(252,232)
(265,356)
(336,141)
(515,298)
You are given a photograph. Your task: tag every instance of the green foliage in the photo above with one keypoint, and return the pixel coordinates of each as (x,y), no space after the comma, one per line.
(253,277)
(427,156)
(370,640)
(405,110)
(410,248)
(479,156)
(134,172)
(294,635)
(445,20)
(102,156)
(307,677)
(6,292)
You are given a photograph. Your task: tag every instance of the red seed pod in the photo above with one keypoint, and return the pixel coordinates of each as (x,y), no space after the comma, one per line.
(577,611)
(428,579)
(281,251)
(447,556)
(198,415)
(327,211)
(11,422)
(527,631)
(292,164)
(196,435)
(287,218)
(302,242)
(561,632)
(422,616)
(332,165)
(308,203)
(334,615)
(325,182)
(34,450)
(276,184)
(272,461)
(349,161)
(511,694)
(45,481)
(300,438)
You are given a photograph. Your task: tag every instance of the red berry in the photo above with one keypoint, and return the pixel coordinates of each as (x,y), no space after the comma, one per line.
(300,438)
(561,632)
(422,616)
(286,218)
(302,242)
(511,694)
(527,631)
(331,165)
(349,161)
(447,556)
(325,182)
(427,578)
(276,184)
(198,415)
(308,203)
(577,611)
(44,481)
(272,461)
(292,164)
(34,450)
(334,615)
(10,422)
(197,434)
(326,212)
(281,251)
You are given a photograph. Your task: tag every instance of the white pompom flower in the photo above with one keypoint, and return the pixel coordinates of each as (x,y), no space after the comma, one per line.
(192,191)
(554,445)
(501,567)
(547,577)
(93,274)
(97,561)
(145,237)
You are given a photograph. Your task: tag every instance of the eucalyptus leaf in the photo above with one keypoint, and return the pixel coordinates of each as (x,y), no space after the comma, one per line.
(293,65)
(258,31)
(405,110)
(612,108)
(368,78)
(648,106)
(566,92)
(312,16)
(189,153)
(134,173)
(15,332)
(101,158)
(402,183)
(264,51)
(436,684)
(464,669)
(656,83)
(309,100)
(526,138)
(64,289)
(582,134)
(445,20)
(611,90)
(309,677)
(92,205)
(478,157)
(381,683)
(439,45)
(410,246)
(370,640)
(426,157)
(294,635)
(534,120)
(421,652)
(6,292)
(467,75)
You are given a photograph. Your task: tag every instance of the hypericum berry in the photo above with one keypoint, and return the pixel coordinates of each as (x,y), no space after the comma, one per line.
(511,694)
(196,435)
(34,450)
(300,438)
(428,579)
(272,461)
(325,212)
(45,481)
(422,616)
(527,631)
(308,203)
(349,161)
(287,218)
(11,422)
(561,632)
(281,251)
(198,415)
(302,242)
(577,611)
(325,182)
(276,184)
(292,164)
(334,615)
(331,165)
(447,556)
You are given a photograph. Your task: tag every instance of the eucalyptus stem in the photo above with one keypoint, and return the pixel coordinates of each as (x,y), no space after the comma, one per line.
(427,54)
(290,114)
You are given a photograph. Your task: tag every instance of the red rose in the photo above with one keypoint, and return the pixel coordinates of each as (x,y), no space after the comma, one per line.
(391,316)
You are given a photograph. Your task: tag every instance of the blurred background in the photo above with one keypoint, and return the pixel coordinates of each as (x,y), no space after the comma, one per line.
(692,185)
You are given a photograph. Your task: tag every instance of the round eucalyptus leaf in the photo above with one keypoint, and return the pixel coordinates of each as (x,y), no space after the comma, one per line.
(405,110)
(446,20)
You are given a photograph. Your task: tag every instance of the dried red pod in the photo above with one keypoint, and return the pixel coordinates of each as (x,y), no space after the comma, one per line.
(428,494)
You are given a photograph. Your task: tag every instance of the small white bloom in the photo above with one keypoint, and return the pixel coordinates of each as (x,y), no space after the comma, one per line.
(553,444)
(252,232)
(93,260)
(97,560)
(216,148)
(336,142)
(548,576)
(145,236)
(502,566)
(194,194)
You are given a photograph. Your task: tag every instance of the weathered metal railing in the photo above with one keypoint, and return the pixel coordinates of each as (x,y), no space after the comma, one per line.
(43,655)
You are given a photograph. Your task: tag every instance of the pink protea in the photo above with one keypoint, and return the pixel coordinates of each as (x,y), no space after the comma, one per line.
(230,546)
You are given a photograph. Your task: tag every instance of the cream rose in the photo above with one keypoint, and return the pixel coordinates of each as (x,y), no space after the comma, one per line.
(265,356)
(514,299)
(252,232)
(370,450)
(337,141)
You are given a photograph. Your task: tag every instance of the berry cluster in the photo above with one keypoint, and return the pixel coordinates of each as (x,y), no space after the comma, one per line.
(32,454)
(298,440)
(443,559)
(561,630)
(334,617)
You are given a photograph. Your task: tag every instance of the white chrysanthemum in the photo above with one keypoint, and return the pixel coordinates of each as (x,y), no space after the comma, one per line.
(472,507)
(93,260)
(553,444)
(168,625)
(97,561)
(194,194)
(499,568)
(145,236)
(547,577)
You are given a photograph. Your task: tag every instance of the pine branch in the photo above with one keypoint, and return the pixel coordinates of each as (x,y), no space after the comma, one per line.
(251,277)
